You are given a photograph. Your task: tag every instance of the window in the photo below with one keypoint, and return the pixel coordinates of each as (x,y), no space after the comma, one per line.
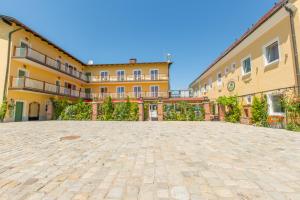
(246,66)
(137,74)
(233,67)
(210,83)
(120,92)
(154,74)
(137,90)
(121,75)
(226,70)
(104,76)
(248,99)
(205,87)
(275,104)
(271,53)
(154,91)
(219,79)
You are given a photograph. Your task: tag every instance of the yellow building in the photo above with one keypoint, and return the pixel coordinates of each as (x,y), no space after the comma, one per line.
(263,61)
(33,70)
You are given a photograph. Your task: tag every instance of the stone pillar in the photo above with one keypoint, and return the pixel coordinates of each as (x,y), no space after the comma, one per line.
(94,111)
(160,111)
(49,112)
(141,111)
(206,107)
(221,112)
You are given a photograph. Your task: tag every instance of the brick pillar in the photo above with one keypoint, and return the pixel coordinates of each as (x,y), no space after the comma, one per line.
(141,111)
(160,111)
(49,113)
(206,107)
(94,111)
(221,112)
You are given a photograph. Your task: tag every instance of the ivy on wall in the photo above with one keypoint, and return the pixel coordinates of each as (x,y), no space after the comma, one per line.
(292,109)
(3,110)
(78,111)
(123,111)
(233,108)
(182,111)
(260,111)
(58,106)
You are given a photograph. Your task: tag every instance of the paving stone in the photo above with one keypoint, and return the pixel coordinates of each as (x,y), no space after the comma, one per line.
(147,160)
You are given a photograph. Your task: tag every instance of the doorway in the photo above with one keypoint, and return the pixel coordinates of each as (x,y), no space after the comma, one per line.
(19,111)
(153,112)
(34,111)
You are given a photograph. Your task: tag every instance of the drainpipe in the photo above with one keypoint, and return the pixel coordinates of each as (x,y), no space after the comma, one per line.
(291,10)
(8,61)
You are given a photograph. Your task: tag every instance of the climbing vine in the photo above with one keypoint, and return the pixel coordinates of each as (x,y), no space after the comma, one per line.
(292,109)
(122,111)
(260,111)
(233,110)
(182,111)
(3,109)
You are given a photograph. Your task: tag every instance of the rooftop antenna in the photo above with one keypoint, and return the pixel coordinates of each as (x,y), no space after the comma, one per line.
(169,57)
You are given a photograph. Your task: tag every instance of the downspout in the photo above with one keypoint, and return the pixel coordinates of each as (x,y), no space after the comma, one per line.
(8,60)
(291,11)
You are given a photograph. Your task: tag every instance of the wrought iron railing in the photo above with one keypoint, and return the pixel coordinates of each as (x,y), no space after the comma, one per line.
(26,83)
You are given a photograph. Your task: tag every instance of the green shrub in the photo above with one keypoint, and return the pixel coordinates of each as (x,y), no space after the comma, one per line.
(260,111)
(146,111)
(293,127)
(78,111)
(106,110)
(3,110)
(233,112)
(59,105)
(134,112)
(124,111)
(292,109)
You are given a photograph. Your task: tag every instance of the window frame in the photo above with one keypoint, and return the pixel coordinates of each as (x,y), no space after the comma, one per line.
(226,71)
(219,82)
(158,89)
(270,105)
(266,63)
(104,77)
(242,65)
(233,68)
(150,72)
(121,78)
(133,74)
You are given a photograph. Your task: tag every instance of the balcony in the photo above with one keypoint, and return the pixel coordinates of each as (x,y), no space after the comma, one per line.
(131,95)
(34,85)
(128,78)
(40,58)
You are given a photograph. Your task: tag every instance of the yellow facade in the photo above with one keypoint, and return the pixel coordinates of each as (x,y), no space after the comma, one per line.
(269,47)
(37,71)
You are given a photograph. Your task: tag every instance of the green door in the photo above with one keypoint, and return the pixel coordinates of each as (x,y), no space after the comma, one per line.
(19,111)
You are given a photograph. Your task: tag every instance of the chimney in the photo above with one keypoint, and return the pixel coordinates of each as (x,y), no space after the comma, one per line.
(132,60)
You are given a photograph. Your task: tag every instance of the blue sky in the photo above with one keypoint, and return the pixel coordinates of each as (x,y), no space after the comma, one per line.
(195,32)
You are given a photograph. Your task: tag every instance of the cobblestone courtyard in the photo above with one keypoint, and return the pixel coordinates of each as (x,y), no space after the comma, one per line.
(159,160)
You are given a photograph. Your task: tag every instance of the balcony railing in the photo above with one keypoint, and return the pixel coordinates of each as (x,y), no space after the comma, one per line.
(36,56)
(133,78)
(181,94)
(30,84)
(131,95)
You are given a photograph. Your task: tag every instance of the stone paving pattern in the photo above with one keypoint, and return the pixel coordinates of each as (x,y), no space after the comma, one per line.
(147,160)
